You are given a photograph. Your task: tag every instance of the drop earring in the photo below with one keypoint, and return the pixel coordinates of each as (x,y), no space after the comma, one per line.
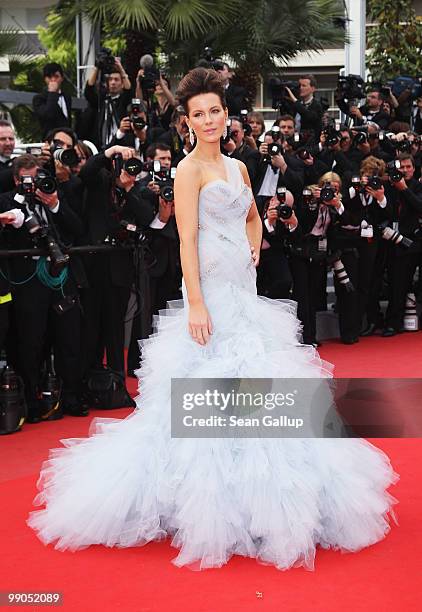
(225,131)
(191,136)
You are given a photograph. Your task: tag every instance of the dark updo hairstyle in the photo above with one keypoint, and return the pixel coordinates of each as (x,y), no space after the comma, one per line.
(200,81)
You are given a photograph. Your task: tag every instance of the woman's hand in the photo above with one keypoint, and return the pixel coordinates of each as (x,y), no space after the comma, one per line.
(200,326)
(255,257)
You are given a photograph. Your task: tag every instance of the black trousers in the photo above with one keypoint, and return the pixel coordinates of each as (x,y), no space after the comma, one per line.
(373,311)
(36,322)
(308,278)
(104,308)
(274,278)
(4,323)
(359,264)
(401,267)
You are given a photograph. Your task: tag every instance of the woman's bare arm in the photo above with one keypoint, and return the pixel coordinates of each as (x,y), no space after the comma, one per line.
(253,220)
(186,194)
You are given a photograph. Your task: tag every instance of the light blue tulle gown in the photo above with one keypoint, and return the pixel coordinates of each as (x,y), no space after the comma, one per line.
(275,500)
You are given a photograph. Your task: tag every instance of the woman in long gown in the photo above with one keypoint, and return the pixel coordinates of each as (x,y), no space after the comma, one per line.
(276,500)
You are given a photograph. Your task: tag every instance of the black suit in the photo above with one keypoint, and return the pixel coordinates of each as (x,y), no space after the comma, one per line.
(358,255)
(49,113)
(97,111)
(6,176)
(292,179)
(129,139)
(402,262)
(251,158)
(110,275)
(235,99)
(310,116)
(33,305)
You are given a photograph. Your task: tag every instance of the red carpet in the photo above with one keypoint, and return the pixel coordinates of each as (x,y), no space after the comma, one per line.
(384,577)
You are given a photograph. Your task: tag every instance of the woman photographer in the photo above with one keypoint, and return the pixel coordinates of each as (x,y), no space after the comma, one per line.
(308,260)
(357,236)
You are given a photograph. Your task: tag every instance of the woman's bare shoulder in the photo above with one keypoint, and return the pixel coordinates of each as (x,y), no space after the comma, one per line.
(189,165)
(243,169)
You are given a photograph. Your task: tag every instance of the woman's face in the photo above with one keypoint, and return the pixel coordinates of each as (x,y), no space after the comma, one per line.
(207,117)
(256,128)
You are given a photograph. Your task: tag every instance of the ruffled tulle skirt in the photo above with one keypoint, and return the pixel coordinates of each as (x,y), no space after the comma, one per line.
(276,500)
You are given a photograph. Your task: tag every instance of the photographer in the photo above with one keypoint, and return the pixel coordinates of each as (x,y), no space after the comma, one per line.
(335,150)
(177,137)
(159,98)
(235,95)
(108,92)
(276,169)
(371,111)
(134,131)
(310,251)
(237,147)
(257,123)
(7,145)
(52,107)
(306,110)
(45,293)
(274,279)
(111,198)
(164,269)
(405,239)
(416,118)
(357,237)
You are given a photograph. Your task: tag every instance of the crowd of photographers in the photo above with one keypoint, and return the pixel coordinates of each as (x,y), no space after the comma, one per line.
(97,202)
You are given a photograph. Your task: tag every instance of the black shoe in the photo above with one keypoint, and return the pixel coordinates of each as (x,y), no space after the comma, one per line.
(33,417)
(350,340)
(388,332)
(369,330)
(77,410)
(131,374)
(53,414)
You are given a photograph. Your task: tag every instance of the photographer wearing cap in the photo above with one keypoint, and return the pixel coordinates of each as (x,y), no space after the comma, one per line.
(405,240)
(274,279)
(111,202)
(52,107)
(108,92)
(7,145)
(357,236)
(44,290)
(237,147)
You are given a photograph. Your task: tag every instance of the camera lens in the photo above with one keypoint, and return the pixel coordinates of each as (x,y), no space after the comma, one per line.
(45,183)
(133,166)
(167,193)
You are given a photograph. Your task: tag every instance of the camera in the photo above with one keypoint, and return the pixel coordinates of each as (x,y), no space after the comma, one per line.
(276,134)
(43,181)
(327,193)
(246,126)
(67,157)
(44,238)
(133,165)
(361,137)
(393,170)
(351,87)
(283,211)
(332,134)
(165,178)
(308,199)
(403,146)
(274,149)
(356,183)
(396,238)
(136,108)
(303,154)
(277,90)
(150,77)
(374,182)
(105,61)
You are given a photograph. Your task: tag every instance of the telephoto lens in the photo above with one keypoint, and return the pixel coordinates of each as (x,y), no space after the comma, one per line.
(67,157)
(167,193)
(274,149)
(32,224)
(275,133)
(396,238)
(138,122)
(360,138)
(327,193)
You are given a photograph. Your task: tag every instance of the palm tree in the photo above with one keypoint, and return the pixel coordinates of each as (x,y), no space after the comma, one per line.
(255,34)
